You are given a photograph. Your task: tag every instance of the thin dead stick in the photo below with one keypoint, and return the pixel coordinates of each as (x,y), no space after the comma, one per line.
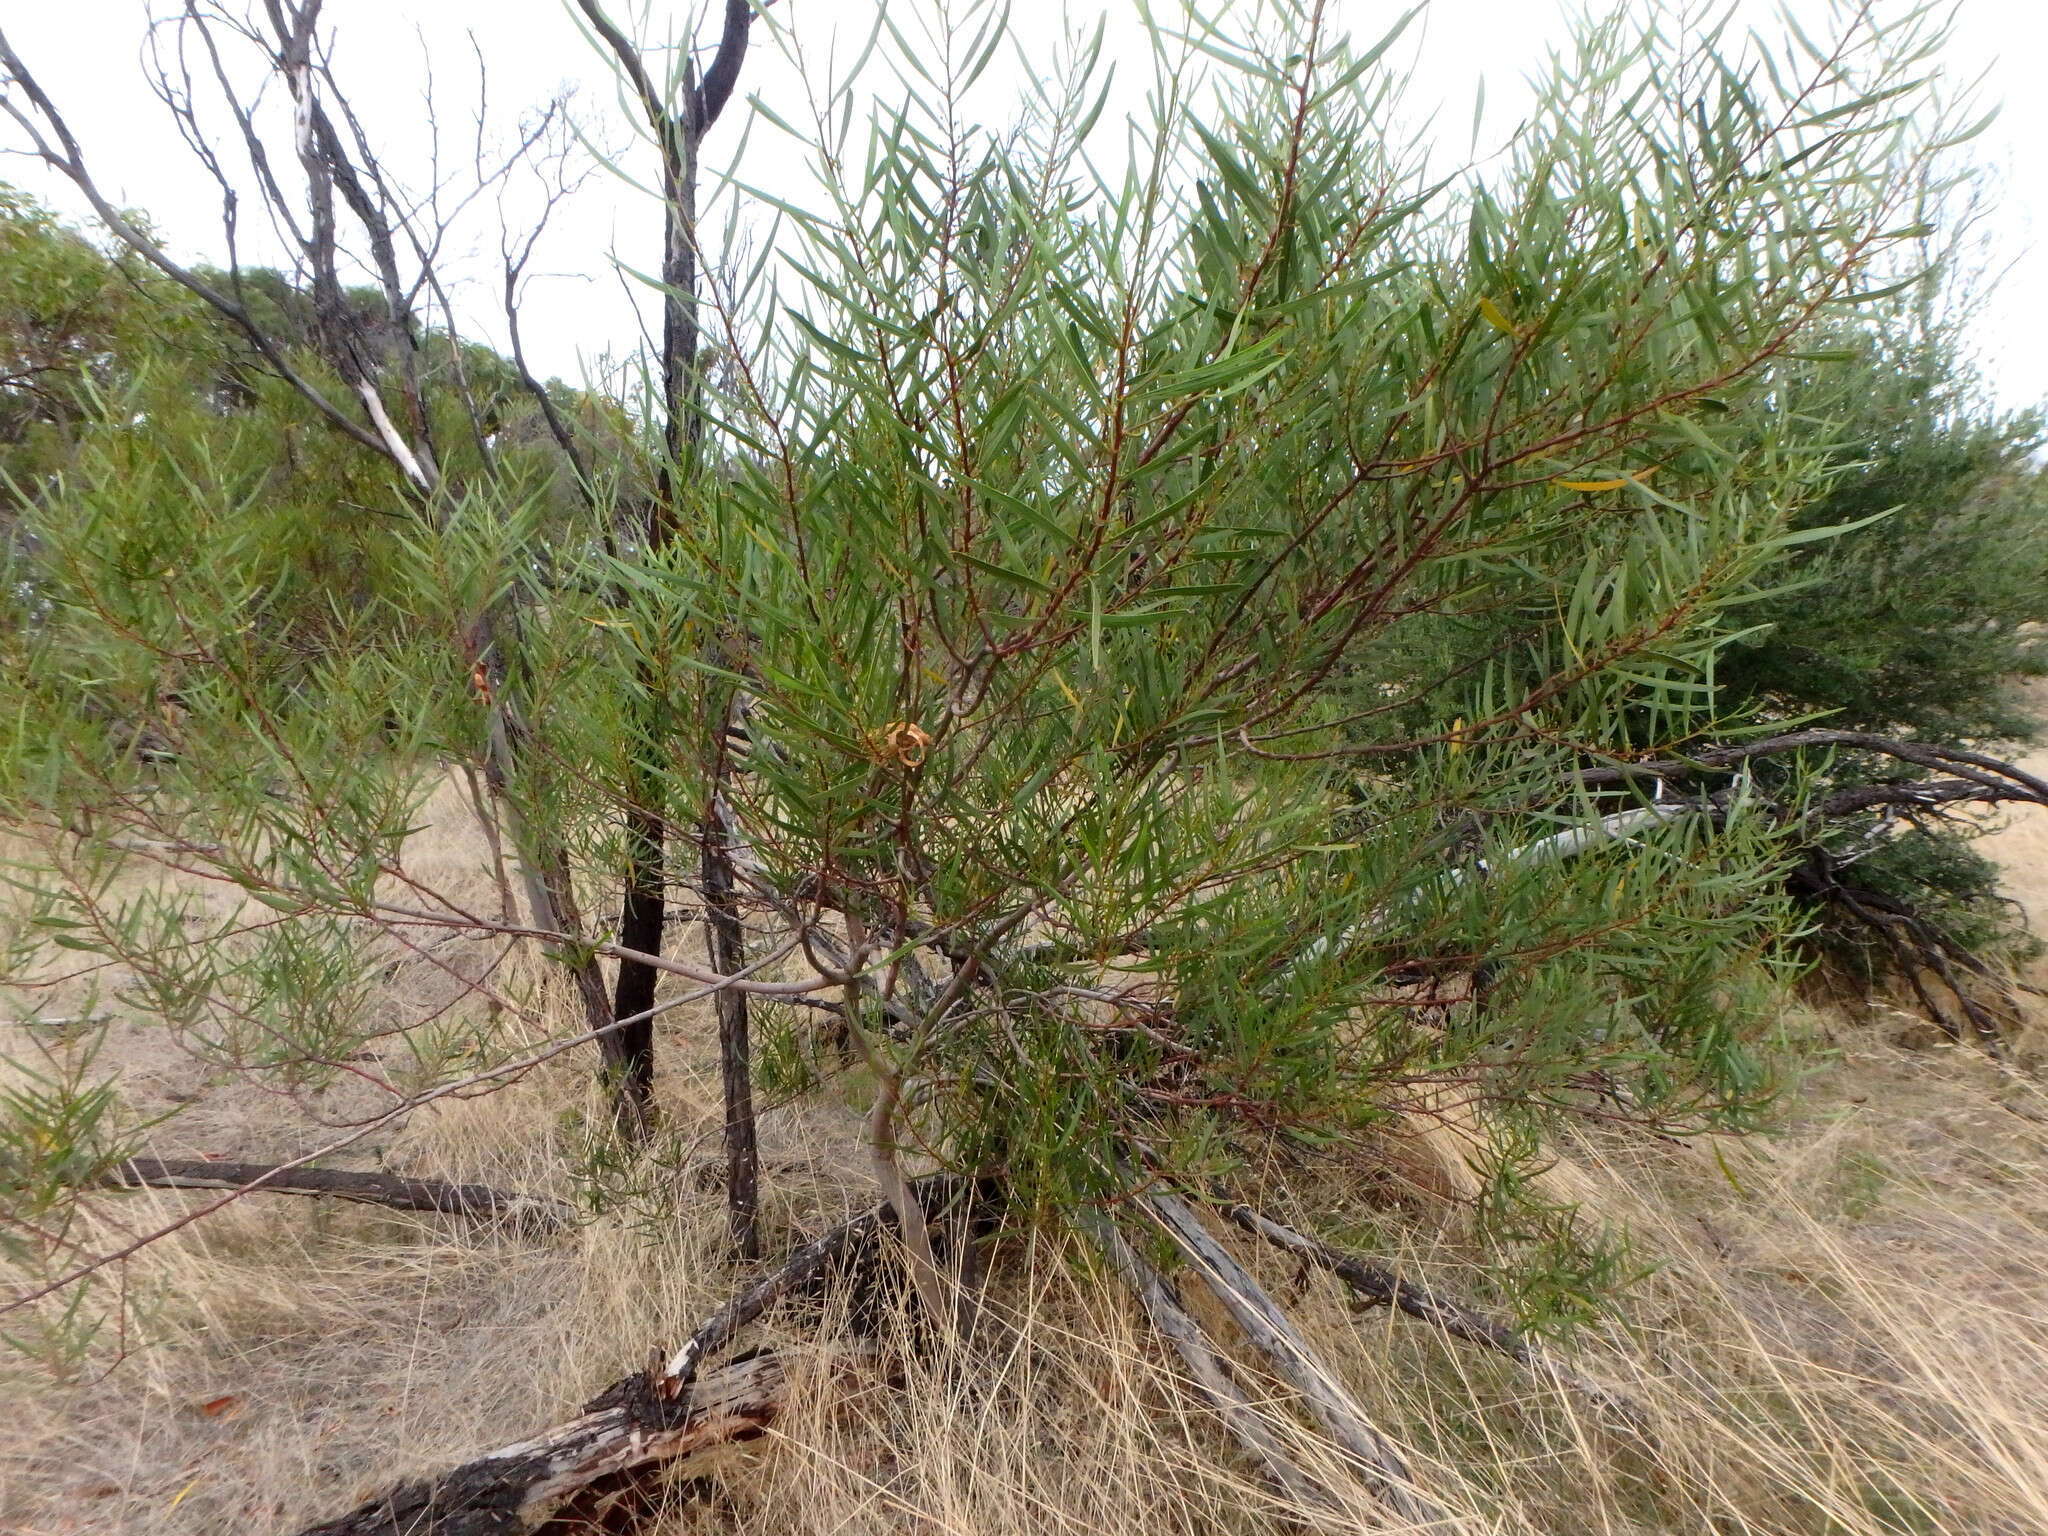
(712,981)
(487,819)
(1269,1331)
(536,1215)
(1212,1378)
(504,1071)
(1382,1287)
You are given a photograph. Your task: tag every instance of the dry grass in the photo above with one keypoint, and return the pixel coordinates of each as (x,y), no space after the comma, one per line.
(1845,1333)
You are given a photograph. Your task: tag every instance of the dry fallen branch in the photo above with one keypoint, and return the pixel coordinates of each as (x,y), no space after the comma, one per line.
(537,1215)
(804,1270)
(2003,780)
(1382,1287)
(648,1418)
(801,1274)
(629,1426)
(1212,1378)
(1268,1330)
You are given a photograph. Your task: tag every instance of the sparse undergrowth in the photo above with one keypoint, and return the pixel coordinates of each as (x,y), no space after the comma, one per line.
(1840,1331)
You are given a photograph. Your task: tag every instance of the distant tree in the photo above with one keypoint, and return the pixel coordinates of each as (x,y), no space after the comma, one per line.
(1920,619)
(72,319)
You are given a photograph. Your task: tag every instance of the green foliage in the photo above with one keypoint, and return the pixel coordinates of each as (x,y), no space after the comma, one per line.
(73,321)
(1163,607)
(60,1131)
(1100,484)
(1917,621)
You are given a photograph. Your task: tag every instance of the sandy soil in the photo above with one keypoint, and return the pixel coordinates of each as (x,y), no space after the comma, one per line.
(2020,845)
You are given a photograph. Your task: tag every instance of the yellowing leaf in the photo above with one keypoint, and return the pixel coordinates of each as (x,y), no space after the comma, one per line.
(1608,485)
(1494,317)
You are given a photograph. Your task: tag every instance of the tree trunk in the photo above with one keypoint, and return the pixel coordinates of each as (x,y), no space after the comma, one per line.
(643,917)
(644,910)
(727,943)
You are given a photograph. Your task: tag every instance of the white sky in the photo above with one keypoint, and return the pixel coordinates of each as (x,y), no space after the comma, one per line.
(86,53)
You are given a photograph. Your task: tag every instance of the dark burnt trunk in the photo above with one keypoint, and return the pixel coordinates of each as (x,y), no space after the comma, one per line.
(727,943)
(629,1049)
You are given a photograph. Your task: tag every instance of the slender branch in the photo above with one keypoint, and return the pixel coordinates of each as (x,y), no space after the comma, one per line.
(1989,772)
(1381,1287)
(70,162)
(534,1214)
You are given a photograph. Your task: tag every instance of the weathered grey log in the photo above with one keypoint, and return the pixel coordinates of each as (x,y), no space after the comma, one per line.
(517,1488)
(538,1215)
(1212,1378)
(1269,1331)
(663,1414)
(1382,1287)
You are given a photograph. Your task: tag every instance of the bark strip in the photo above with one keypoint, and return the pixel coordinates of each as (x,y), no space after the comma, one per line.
(725,939)
(1212,1377)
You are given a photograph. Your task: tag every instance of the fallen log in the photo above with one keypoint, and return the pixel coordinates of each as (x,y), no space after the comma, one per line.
(1268,1330)
(537,1215)
(630,1426)
(1382,1287)
(663,1414)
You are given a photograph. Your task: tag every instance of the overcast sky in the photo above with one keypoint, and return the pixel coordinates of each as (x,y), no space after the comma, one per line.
(87,54)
